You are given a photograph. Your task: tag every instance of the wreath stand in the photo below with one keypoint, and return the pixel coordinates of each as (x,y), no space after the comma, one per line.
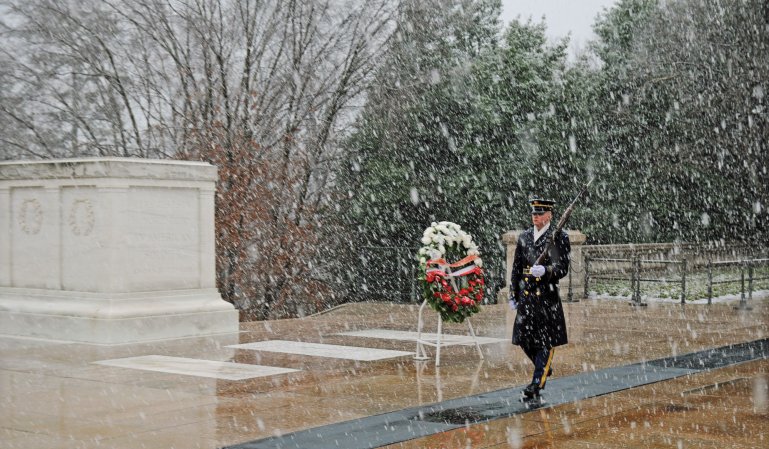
(421,354)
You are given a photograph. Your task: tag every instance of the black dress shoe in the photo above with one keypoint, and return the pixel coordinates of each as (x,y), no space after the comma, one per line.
(532,390)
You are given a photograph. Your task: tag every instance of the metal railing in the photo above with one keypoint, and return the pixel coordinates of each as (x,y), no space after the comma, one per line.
(637,271)
(746,267)
(634,274)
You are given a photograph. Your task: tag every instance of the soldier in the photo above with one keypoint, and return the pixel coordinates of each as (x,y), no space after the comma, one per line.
(540,325)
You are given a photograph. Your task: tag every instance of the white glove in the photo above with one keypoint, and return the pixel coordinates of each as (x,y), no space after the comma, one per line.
(513,304)
(538,271)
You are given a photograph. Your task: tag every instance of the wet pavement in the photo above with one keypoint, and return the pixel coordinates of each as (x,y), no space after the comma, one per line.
(629,378)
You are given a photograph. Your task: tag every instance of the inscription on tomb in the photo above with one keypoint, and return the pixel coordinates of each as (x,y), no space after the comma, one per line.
(162,238)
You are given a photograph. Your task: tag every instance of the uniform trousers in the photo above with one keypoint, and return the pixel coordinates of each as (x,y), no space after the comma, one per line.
(542,359)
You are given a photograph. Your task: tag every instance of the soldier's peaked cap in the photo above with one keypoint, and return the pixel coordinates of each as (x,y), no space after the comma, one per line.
(540,206)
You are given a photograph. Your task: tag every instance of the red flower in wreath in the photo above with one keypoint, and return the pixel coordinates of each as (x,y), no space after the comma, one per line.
(444,294)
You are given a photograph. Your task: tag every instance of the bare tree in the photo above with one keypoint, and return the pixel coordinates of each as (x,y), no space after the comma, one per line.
(262,86)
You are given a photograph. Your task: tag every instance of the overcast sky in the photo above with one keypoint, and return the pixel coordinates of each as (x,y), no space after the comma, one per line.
(561,16)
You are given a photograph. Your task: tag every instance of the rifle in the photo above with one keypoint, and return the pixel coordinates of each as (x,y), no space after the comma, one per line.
(561,224)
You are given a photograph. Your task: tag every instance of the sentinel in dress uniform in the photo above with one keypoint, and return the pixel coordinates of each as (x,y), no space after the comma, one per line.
(540,325)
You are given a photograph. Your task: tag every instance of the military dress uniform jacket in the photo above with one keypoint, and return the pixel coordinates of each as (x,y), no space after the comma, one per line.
(540,322)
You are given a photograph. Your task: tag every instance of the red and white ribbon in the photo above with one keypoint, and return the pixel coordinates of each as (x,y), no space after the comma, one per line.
(443,265)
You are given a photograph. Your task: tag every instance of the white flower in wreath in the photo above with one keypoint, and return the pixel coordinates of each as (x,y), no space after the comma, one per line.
(439,236)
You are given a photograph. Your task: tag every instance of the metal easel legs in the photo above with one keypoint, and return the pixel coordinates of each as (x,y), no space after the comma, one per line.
(421,353)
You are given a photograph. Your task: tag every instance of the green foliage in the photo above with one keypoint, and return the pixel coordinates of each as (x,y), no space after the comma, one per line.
(465,137)
(466,121)
(683,125)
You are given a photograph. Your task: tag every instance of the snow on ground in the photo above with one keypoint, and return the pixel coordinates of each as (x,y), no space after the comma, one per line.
(757,295)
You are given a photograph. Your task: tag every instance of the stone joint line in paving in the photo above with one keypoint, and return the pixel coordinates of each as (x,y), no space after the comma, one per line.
(243,371)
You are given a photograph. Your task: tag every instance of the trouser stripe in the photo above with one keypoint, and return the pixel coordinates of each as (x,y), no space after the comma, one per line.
(547,368)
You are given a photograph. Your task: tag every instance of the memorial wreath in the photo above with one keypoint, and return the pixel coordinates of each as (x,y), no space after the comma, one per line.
(455,295)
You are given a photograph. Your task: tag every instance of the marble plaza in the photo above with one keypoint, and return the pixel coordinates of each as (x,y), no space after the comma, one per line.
(262,387)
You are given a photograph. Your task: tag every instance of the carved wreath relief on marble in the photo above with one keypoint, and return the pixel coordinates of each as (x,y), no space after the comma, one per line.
(31,216)
(81,217)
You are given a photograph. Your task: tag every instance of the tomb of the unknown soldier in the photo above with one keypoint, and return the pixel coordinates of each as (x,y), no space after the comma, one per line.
(109,251)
